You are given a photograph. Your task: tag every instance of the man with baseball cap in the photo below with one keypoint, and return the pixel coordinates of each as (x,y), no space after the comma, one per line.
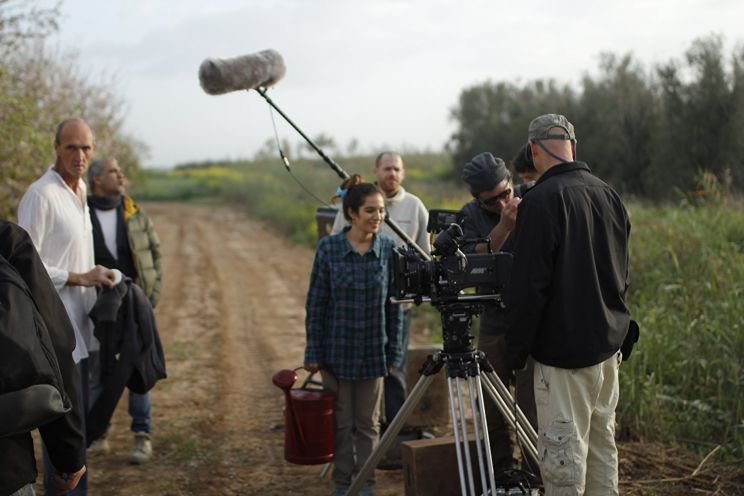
(491,214)
(566,308)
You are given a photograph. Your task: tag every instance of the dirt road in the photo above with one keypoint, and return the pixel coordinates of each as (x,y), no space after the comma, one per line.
(231,315)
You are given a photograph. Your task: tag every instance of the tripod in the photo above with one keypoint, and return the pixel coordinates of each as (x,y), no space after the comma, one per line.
(463,364)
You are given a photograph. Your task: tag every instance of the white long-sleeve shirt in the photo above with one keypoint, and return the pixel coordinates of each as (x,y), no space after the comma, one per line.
(407,210)
(59,225)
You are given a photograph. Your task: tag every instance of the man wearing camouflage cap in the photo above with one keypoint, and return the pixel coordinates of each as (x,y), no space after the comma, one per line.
(491,214)
(566,308)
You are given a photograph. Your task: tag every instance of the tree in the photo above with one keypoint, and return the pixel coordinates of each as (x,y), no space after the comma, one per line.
(494,117)
(615,121)
(39,88)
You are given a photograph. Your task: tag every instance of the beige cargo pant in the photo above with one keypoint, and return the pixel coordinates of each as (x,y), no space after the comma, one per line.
(576,428)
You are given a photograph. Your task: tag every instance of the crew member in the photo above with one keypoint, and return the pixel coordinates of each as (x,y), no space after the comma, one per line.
(491,215)
(566,308)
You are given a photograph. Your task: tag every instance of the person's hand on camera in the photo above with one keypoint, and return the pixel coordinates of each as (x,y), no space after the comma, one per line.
(311,367)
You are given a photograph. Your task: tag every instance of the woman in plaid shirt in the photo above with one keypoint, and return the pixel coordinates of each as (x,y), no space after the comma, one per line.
(353,330)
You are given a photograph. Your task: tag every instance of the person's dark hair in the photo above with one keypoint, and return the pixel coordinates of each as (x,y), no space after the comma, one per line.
(522,161)
(356,192)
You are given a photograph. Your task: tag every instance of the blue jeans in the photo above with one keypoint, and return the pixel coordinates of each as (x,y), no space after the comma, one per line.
(139,404)
(82,487)
(395,382)
(139,410)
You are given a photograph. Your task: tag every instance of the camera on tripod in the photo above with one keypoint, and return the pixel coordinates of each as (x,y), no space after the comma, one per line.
(442,279)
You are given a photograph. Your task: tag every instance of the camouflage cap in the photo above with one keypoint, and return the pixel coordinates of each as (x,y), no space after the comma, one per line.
(541,126)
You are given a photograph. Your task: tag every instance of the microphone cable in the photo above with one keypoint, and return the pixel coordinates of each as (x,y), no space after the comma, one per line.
(285,161)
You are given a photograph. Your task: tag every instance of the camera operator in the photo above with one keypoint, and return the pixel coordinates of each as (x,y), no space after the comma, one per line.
(566,308)
(492,214)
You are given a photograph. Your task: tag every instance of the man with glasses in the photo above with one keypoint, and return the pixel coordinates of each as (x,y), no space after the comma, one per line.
(491,215)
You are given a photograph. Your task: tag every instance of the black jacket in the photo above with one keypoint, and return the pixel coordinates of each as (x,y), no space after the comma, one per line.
(131,352)
(63,437)
(566,297)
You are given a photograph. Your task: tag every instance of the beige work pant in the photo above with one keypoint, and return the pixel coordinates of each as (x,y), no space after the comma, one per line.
(576,428)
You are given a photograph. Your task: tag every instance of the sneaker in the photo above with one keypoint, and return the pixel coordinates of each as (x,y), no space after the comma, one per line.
(99,447)
(142,449)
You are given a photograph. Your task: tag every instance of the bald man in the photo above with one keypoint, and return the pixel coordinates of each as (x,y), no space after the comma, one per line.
(54,212)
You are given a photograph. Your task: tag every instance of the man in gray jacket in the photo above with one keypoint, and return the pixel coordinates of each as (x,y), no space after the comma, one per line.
(124,238)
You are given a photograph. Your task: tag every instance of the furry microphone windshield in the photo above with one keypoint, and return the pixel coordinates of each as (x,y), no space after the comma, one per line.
(246,72)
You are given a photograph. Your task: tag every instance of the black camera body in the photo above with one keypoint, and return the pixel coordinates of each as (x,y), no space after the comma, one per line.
(450,271)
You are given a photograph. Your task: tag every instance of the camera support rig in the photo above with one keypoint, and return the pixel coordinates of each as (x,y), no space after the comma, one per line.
(465,366)
(441,281)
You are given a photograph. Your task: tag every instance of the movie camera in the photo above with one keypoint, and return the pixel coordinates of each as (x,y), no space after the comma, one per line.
(443,278)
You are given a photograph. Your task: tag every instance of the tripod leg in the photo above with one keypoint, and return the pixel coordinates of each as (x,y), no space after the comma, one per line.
(390,433)
(486,437)
(481,440)
(464,433)
(504,392)
(505,404)
(456,432)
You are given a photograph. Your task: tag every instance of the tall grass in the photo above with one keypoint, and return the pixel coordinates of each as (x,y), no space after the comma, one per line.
(683,382)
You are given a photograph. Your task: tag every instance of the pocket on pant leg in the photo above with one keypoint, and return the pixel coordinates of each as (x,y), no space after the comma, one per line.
(557,447)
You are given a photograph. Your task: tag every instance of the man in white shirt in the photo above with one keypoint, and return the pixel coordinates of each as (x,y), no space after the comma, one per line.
(55,214)
(409,212)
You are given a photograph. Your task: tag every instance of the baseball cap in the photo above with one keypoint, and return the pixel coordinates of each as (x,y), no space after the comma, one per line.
(541,126)
(483,172)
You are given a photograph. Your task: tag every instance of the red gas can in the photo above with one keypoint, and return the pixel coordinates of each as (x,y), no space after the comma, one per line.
(309,422)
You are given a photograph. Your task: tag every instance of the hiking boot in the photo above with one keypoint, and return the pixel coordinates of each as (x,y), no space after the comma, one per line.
(142,449)
(99,447)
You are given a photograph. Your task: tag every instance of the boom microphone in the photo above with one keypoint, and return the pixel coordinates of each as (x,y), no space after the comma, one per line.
(247,72)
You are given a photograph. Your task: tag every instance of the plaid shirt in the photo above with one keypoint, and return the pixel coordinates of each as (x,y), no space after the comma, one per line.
(352,328)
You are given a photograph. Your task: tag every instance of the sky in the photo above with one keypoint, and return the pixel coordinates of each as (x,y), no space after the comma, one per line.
(384,72)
